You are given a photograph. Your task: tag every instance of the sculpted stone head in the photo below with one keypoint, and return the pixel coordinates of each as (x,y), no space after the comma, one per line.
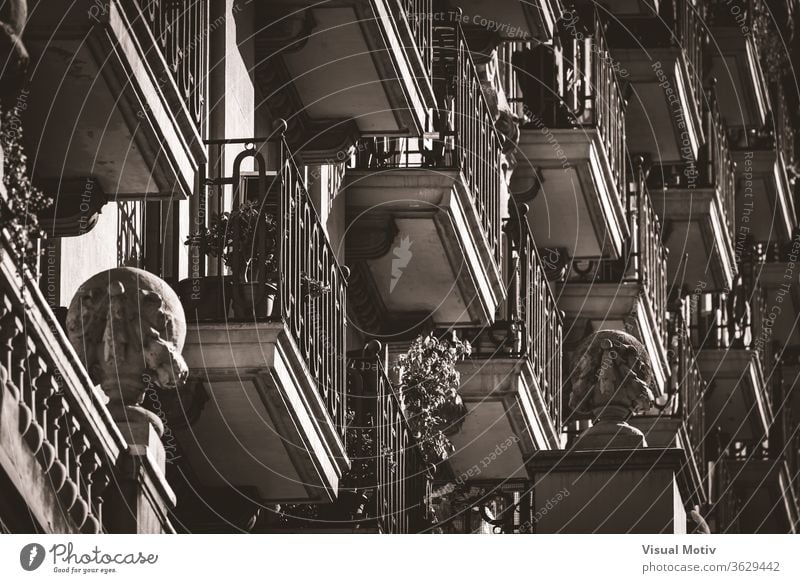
(611,379)
(128,328)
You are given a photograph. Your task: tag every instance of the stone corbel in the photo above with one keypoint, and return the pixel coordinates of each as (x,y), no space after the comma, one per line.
(77,208)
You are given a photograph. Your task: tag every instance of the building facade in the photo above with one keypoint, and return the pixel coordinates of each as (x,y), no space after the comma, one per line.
(447,266)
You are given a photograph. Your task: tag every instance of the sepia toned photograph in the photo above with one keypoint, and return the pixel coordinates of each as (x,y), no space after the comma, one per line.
(294,267)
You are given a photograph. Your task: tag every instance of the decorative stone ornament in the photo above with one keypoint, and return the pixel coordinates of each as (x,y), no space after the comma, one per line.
(128,328)
(611,380)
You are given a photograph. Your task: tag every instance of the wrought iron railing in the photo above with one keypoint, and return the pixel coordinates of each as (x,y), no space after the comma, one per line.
(732,319)
(715,162)
(778,251)
(310,282)
(680,26)
(419,15)
(61,420)
(532,326)
(714,167)
(482,507)
(174,38)
(644,258)
(687,385)
(784,123)
(535,309)
(391,465)
(465,125)
(317,323)
(573,84)
(725,502)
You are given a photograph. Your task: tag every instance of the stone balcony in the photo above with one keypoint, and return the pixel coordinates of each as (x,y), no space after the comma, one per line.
(115,103)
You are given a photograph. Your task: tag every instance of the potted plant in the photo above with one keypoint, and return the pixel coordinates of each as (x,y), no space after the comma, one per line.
(246,239)
(429,385)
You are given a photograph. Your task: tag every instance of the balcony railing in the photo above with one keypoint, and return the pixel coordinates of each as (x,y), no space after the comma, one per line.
(535,310)
(785,122)
(644,258)
(733,319)
(681,26)
(572,84)
(486,508)
(687,384)
(466,126)
(419,15)
(532,326)
(61,419)
(395,473)
(178,35)
(777,252)
(715,164)
(715,168)
(311,284)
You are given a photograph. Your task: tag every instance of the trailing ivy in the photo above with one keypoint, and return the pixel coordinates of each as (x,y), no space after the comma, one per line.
(429,386)
(22,203)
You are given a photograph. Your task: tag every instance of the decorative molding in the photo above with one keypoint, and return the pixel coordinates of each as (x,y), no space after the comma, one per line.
(78,203)
(370,236)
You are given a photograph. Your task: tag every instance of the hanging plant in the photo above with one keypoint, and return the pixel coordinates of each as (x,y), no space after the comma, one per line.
(23,202)
(429,386)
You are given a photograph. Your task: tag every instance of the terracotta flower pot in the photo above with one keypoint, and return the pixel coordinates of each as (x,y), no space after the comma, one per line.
(254,300)
(205,298)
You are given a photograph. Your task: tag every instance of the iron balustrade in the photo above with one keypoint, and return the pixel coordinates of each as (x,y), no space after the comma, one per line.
(571,83)
(783,123)
(61,419)
(311,298)
(686,383)
(714,168)
(174,37)
(733,319)
(644,257)
(725,503)
(465,123)
(532,324)
(535,309)
(419,15)
(317,324)
(688,17)
(483,507)
(778,252)
(395,472)
(680,27)
(715,162)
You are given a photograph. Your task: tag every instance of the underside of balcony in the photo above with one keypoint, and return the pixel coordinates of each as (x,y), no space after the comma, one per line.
(339,70)
(264,426)
(697,236)
(736,400)
(741,89)
(663,120)
(507,420)
(763,194)
(617,306)
(108,101)
(513,19)
(418,250)
(579,206)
